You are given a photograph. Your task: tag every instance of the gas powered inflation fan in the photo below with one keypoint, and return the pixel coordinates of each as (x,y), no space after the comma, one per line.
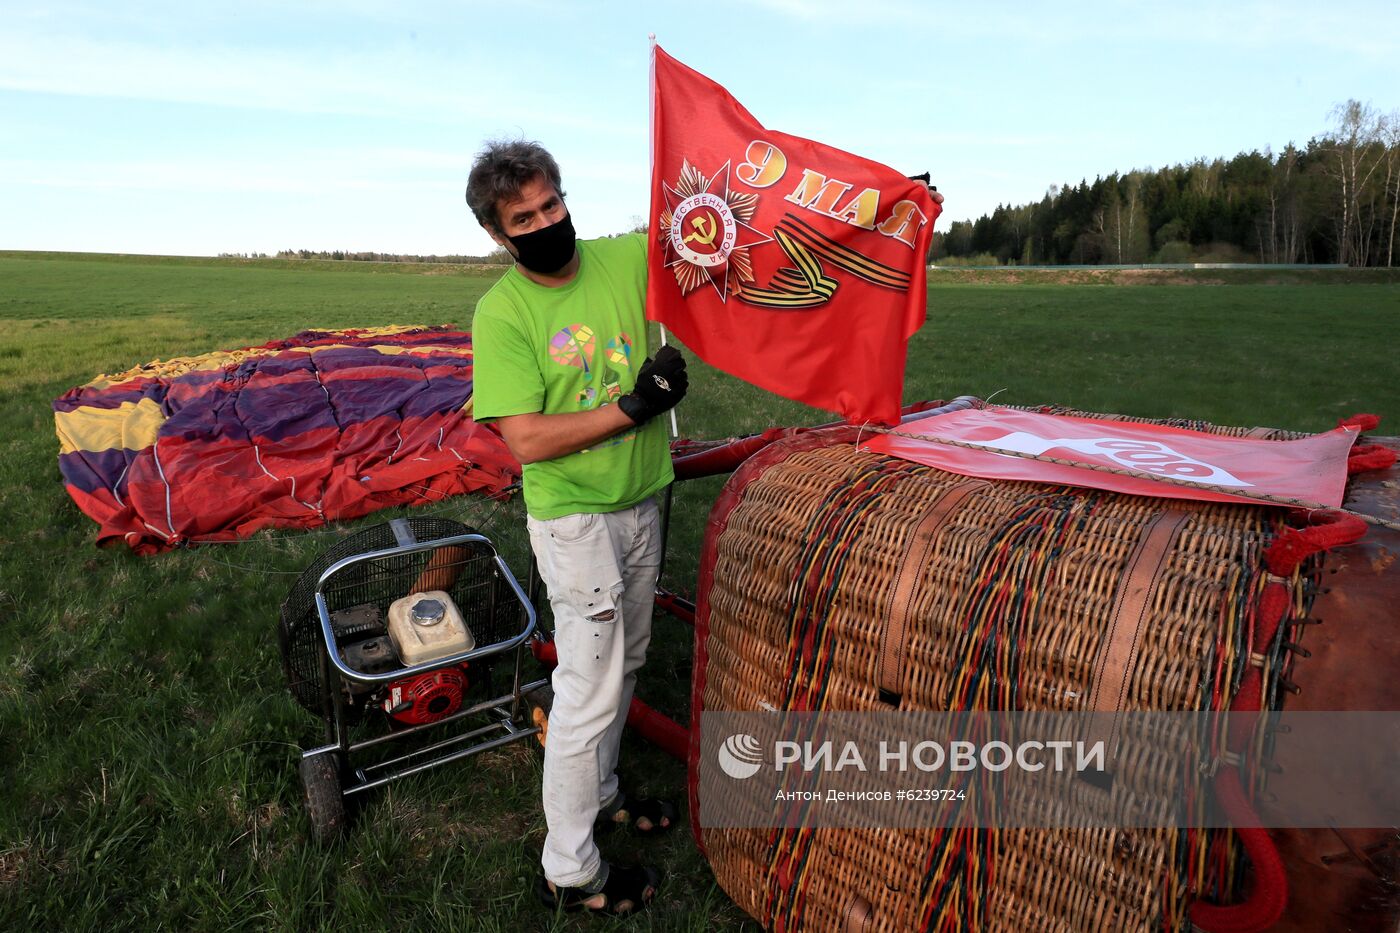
(392,638)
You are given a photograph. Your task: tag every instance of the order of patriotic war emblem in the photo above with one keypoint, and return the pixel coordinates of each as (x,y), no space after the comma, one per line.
(705,229)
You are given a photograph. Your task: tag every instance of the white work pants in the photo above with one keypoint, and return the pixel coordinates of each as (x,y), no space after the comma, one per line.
(601,572)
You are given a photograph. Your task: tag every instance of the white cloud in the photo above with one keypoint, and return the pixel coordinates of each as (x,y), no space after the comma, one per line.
(1353,28)
(882,12)
(393,79)
(302,173)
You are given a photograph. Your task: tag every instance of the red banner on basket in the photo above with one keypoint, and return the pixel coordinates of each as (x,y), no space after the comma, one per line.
(1312,468)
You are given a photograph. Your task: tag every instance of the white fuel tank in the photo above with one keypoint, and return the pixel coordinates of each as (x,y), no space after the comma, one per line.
(425,626)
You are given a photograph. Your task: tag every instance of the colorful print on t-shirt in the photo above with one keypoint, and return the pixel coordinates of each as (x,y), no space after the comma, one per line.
(576,346)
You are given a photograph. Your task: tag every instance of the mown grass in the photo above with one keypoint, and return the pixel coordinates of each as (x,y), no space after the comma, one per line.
(147,776)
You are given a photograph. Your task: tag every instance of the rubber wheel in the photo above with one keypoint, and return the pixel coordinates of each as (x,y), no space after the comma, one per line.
(538,703)
(325,805)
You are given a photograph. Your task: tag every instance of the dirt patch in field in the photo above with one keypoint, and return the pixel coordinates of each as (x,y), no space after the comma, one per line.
(12,864)
(1149,277)
(454,268)
(20,863)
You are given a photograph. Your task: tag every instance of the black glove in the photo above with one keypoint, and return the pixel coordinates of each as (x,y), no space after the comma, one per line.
(661,383)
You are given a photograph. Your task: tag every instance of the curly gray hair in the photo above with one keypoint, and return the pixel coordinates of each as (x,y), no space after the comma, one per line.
(501,170)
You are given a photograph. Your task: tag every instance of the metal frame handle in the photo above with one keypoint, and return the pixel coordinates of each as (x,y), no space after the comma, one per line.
(328,632)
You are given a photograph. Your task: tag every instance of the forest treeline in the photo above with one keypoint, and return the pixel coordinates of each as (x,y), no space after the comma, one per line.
(496,257)
(1336,200)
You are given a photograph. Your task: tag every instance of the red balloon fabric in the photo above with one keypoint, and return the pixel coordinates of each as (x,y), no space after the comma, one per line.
(323,426)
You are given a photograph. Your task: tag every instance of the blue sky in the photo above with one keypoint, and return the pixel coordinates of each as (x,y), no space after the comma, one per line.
(197,128)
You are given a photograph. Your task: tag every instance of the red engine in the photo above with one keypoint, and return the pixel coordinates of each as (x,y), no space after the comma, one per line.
(427,697)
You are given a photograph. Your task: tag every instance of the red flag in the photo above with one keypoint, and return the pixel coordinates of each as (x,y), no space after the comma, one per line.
(1312,468)
(792,265)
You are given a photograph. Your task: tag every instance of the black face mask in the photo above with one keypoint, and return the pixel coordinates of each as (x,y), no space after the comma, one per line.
(546,250)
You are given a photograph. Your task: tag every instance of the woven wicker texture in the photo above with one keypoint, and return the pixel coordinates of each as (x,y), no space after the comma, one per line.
(822,556)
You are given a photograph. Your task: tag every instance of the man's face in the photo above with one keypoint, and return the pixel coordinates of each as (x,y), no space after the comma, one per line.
(537,206)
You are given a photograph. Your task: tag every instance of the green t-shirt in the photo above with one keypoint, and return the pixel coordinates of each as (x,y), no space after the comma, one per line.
(567,349)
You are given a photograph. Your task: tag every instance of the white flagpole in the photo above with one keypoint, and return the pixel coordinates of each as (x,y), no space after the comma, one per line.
(675,433)
(675,430)
(651,121)
(670,490)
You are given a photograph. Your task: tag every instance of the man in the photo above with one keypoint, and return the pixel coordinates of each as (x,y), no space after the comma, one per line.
(559,343)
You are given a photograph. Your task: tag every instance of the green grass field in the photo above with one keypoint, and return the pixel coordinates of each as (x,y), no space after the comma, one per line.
(147,772)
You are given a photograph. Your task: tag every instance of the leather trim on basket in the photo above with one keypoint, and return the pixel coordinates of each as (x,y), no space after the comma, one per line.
(889,667)
(858,916)
(1118,654)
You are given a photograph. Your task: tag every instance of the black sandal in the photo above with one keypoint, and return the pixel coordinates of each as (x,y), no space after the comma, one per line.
(625,885)
(633,809)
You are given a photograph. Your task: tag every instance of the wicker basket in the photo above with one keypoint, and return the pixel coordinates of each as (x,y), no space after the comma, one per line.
(838,579)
